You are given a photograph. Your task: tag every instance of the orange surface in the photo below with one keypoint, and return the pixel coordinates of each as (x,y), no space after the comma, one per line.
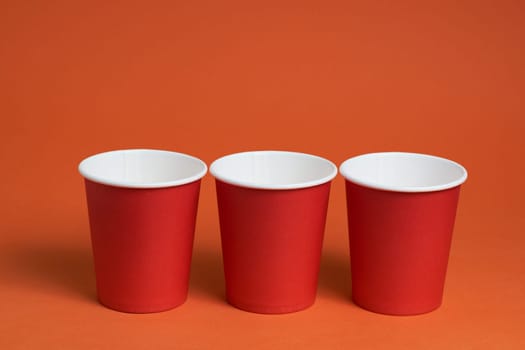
(209,78)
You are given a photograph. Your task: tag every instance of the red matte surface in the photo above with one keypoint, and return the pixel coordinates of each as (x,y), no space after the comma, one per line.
(399,247)
(271,244)
(142,244)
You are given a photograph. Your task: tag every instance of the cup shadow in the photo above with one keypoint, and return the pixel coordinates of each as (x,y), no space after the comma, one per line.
(207,276)
(51,268)
(334,276)
(69,269)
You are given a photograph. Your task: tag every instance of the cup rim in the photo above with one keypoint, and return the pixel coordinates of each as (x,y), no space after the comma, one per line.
(88,174)
(346,173)
(286,186)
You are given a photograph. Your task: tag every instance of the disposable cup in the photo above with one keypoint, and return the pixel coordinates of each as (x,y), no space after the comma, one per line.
(401,213)
(272,210)
(142,208)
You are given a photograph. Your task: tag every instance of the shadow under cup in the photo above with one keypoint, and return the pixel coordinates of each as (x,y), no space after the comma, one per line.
(272,210)
(142,208)
(401,212)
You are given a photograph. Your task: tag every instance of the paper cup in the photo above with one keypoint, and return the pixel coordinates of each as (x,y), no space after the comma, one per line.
(401,211)
(272,209)
(142,207)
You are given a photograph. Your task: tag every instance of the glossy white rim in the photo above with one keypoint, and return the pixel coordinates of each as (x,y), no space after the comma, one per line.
(403,172)
(142,168)
(273,170)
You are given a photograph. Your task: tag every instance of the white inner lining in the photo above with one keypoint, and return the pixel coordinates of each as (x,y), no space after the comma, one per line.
(273,169)
(405,172)
(142,168)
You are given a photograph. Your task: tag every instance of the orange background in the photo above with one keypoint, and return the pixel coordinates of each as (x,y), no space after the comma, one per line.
(330,78)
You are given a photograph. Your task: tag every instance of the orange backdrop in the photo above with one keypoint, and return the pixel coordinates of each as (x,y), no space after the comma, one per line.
(208,78)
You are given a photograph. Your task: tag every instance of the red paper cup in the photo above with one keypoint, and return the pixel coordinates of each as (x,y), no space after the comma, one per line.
(142,207)
(401,211)
(272,209)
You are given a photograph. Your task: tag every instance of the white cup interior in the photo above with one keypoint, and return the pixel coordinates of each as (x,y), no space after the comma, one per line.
(273,170)
(142,168)
(403,172)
